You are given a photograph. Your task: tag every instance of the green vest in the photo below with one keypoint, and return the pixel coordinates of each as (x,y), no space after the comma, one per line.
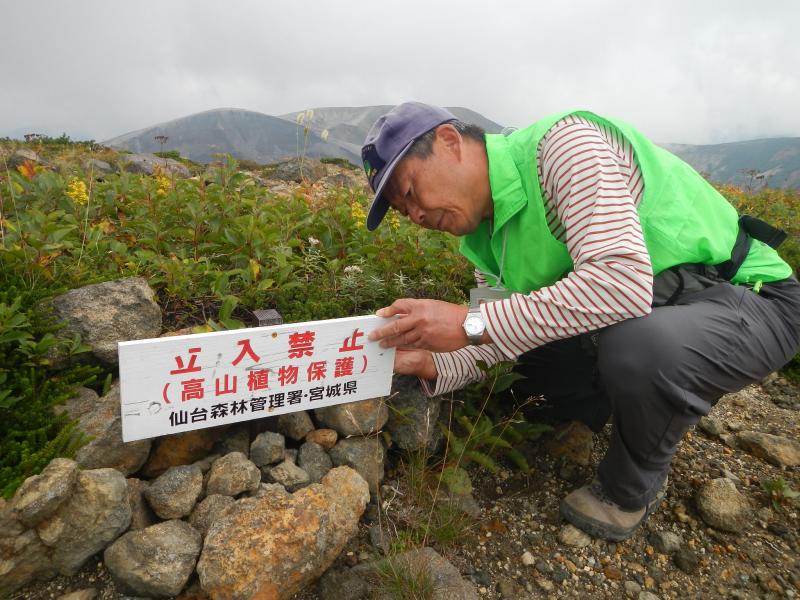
(684,219)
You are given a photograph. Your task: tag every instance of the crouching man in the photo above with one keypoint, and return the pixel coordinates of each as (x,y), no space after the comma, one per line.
(625,285)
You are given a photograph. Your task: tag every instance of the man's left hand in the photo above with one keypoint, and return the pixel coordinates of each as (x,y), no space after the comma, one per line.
(428,324)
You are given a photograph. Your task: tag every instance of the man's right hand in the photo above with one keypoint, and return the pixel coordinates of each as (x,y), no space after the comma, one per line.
(415,362)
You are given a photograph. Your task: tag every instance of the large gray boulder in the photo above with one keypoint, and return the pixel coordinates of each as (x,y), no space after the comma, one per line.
(110,312)
(274,545)
(365,455)
(147,164)
(299,170)
(154,562)
(354,418)
(106,448)
(412,420)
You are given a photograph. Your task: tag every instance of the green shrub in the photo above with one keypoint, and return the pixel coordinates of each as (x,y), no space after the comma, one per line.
(30,433)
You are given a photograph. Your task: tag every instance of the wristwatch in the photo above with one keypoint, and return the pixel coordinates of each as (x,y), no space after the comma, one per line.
(474,326)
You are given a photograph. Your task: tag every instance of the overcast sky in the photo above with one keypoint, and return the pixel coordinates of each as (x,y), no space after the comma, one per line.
(692,71)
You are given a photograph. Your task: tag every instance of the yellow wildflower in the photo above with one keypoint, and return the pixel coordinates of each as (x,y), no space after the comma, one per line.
(76,189)
(357,212)
(394,220)
(163,184)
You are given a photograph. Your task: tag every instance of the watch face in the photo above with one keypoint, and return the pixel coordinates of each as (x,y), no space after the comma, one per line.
(474,325)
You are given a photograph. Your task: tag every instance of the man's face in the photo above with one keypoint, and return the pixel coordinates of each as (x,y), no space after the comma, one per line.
(435,192)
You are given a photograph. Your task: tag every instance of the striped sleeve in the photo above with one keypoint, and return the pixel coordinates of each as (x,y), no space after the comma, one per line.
(592,188)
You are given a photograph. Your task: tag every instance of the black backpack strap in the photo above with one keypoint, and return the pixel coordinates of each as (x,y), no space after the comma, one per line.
(762,231)
(727,269)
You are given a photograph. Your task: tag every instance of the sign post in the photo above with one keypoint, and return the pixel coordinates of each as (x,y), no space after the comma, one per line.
(174,384)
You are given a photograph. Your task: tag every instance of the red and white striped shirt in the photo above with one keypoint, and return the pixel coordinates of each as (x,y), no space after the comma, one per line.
(592,187)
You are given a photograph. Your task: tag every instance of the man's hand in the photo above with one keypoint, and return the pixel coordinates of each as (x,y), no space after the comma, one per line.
(427,324)
(415,362)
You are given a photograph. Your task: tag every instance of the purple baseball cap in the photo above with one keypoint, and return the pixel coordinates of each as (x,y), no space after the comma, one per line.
(387,143)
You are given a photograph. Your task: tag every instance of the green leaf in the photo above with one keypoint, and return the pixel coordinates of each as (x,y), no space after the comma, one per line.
(456,480)
(482,459)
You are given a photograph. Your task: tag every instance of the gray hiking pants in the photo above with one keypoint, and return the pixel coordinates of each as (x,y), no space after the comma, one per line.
(657,375)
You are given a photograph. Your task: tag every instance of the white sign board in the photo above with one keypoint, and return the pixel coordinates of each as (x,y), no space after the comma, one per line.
(181,383)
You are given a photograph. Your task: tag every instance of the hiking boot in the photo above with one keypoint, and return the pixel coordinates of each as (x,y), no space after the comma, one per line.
(590,509)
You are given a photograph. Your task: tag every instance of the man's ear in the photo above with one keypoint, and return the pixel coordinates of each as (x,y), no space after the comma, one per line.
(449,138)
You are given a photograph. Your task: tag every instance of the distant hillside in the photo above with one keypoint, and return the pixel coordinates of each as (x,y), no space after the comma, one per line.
(263,138)
(350,125)
(242,133)
(776,160)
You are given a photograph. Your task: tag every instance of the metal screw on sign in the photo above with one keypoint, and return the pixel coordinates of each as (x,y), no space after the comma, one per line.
(268,316)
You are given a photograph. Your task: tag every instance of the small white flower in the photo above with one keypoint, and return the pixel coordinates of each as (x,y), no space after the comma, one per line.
(324,135)
(353,269)
(309,114)
(313,241)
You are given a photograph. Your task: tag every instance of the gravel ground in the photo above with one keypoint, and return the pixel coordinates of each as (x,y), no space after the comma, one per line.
(520,548)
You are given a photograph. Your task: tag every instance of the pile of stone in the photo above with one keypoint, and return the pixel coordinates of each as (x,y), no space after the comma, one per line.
(260,508)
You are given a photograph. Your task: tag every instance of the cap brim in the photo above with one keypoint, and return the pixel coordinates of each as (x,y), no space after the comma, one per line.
(380,205)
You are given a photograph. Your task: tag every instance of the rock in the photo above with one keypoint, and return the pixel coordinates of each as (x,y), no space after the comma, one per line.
(232,474)
(275,545)
(288,474)
(95,514)
(572,536)
(545,585)
(291,455)
(87,594)
(299,170)
(174,493)
(666,542)
(612,572)
(645,595)
(20,156)
(632,589)
(324,437)
(96,166)
(181,449)
(267,488)
(711,426)
(412,420)
(573,441)
(422,564)
(236,439)
(686,560)
(206,462)
(147,164)
(23,556)
(156,561)
(41,495)
(78,406)
(107,449)
(510,589)
(379,537)
(295,425)
(141,514)
(110,312)
(722,506)
(354,418)
(313,459)
(207,511)
(342,584)
(775,449)
(527,558)
(267,449)
(365,455)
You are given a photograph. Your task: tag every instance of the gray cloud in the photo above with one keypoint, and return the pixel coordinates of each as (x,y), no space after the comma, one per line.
(682,71)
